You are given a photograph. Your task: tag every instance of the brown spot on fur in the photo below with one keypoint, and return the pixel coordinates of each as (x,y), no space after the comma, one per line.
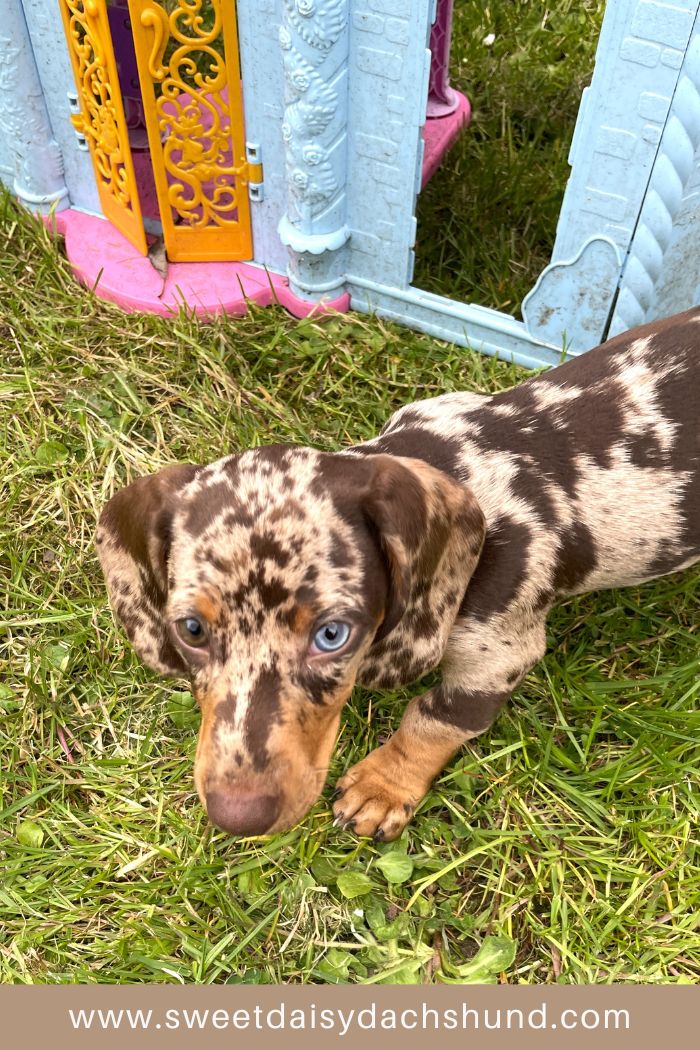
(470,712)
(414,440)
(645,451)
(557,434)
(674,393)
(576,558)
(501,570)
(262,713)
(290,510)
(225,711)
(267,547)
(321,683)
(340,553)
(209,505)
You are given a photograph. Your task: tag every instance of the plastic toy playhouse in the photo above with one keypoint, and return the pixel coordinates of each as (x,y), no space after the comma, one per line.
(212,152)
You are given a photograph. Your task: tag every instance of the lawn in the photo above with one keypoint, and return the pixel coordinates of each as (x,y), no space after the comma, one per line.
(560,846)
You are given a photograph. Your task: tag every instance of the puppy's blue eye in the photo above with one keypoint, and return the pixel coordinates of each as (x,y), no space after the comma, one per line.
(192,631)
(331,636)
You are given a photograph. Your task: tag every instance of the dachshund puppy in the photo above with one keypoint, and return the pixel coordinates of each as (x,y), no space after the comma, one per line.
(278,577)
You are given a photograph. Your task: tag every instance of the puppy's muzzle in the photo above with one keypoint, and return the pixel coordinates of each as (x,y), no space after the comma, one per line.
(243,812)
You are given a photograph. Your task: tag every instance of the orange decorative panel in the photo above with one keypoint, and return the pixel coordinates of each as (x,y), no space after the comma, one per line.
(101,119)
(187,54)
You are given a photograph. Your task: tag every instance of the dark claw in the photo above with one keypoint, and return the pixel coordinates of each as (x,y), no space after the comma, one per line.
(378,835)
(338,793)
(350,826)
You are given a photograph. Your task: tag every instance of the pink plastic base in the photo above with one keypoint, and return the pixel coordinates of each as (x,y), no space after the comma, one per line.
(439,133)
(105,261)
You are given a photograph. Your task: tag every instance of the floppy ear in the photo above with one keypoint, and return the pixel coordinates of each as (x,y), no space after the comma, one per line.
(431,531)
(133,543)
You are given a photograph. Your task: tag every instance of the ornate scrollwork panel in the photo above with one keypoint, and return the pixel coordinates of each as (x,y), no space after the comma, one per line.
(101,118)
(187,52)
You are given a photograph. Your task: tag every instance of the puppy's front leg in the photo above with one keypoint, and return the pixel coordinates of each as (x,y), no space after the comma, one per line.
(379,794)
(483,664)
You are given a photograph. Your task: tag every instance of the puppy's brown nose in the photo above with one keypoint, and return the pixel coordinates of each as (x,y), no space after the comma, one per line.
(242,813)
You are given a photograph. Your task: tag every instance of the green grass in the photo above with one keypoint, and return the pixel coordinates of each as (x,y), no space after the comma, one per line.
(486,222)
(570,828)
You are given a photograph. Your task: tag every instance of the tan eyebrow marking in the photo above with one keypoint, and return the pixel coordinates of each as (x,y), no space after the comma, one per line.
(304,616)
(208,607)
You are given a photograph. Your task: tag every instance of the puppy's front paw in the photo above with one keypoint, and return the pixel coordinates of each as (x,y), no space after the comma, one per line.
(377,797)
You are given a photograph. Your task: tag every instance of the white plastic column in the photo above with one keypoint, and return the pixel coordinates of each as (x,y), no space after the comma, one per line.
(24,121)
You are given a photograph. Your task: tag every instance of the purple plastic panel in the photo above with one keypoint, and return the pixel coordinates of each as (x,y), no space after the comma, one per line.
(124,51)
(442,100)
(125,57)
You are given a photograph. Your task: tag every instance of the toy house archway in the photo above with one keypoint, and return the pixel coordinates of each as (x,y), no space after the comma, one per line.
(160,109)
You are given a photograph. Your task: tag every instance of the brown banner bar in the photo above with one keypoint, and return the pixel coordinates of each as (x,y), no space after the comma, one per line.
(173,1017)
